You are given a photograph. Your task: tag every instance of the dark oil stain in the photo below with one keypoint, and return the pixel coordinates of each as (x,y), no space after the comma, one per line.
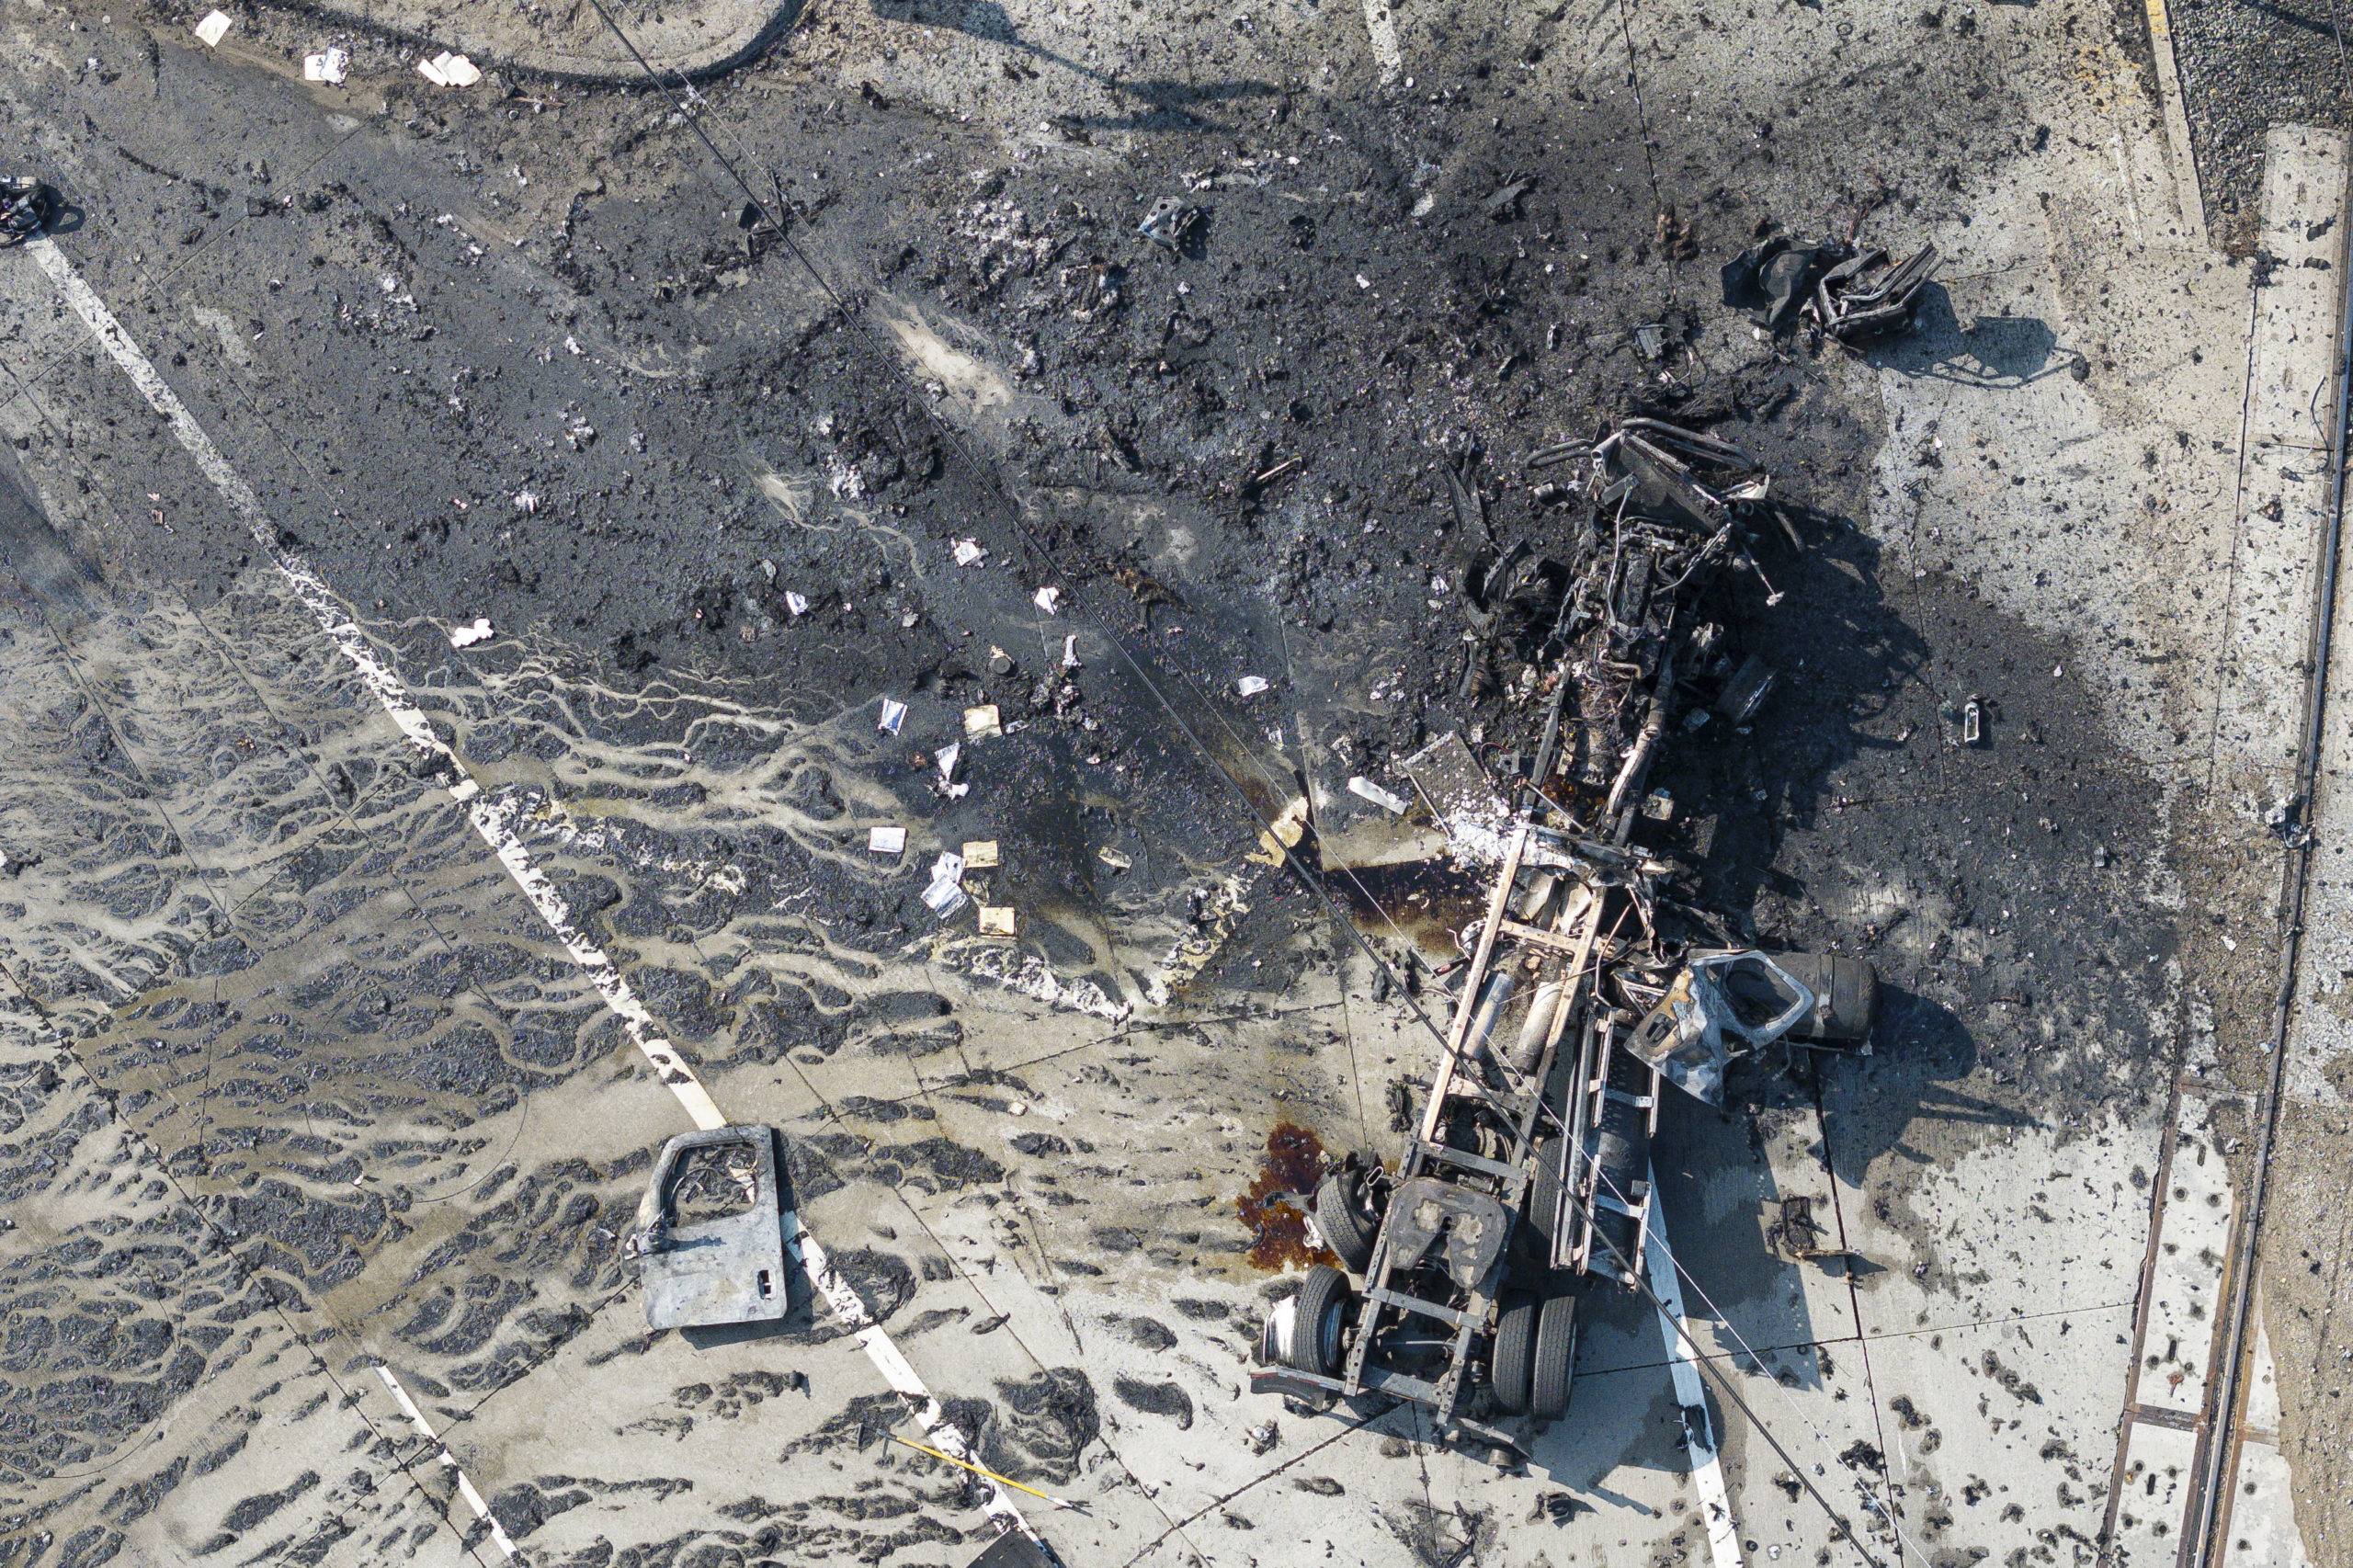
(1430,901)
(1294,1163)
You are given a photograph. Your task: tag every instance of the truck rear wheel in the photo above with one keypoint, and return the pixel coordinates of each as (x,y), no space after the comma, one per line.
(1555,1358)
(1343,1222)
(1511,1364)
(1544,1193)
(1315,1322)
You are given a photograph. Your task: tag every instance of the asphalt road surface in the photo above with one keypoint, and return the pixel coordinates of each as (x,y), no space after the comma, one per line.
(352,972)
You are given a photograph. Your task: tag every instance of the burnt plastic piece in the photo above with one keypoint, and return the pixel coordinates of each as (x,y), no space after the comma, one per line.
(730,1266)
(1773,279)
(26,207)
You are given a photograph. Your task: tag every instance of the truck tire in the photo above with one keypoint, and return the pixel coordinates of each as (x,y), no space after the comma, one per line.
(1544,1194)
(1845,996)
(1555,1358)
(1315,1322)
(1345,1228)
(1511,1364)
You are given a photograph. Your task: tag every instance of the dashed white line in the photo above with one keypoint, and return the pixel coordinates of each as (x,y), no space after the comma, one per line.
(465,1487)
(490,821)
(895,1370)
(332,619)
(1707,1463)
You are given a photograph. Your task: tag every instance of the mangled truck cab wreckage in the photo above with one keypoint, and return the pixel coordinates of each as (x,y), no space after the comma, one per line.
(1590,980)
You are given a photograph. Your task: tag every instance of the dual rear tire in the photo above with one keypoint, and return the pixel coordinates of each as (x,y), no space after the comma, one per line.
(1535,1353)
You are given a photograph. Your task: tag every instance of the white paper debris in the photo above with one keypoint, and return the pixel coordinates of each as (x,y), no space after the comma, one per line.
(895,713)
(995,922)
(947,760)
(982,721)
(886,840)
(1250,686)
(467,636)
(980,854)
(1048,599)
(1070,652)
(969,552)
(1365,788)
(944,896)
(795,603)
(212,30)
(447,70)
(329,65)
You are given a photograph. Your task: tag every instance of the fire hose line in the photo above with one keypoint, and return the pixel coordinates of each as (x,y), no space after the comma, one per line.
(2202,1533)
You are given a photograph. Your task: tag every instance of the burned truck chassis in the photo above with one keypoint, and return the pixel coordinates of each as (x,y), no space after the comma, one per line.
(1529,1170)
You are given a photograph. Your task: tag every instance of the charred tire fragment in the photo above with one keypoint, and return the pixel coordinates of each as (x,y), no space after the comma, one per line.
(1315,1322)
(1556,1354)
(1344,1225)
(1510,1365)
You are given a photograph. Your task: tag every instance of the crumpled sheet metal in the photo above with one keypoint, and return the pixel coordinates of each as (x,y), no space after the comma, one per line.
(1690,1036)
(1849,294)
(1678,475)
(1867,295)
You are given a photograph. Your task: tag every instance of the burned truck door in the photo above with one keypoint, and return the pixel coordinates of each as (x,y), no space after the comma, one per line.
(710,1240)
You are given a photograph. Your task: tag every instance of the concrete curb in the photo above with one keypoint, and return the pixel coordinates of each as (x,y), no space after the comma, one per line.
(567,40)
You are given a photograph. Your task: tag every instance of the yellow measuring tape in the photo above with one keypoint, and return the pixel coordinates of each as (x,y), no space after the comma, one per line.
(977,1470)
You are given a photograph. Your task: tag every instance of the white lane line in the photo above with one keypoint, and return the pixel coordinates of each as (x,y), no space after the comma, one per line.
(1383,30)
(1707,1464)
(490,821)
(465,1487)
(894,1367)
(329,611)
